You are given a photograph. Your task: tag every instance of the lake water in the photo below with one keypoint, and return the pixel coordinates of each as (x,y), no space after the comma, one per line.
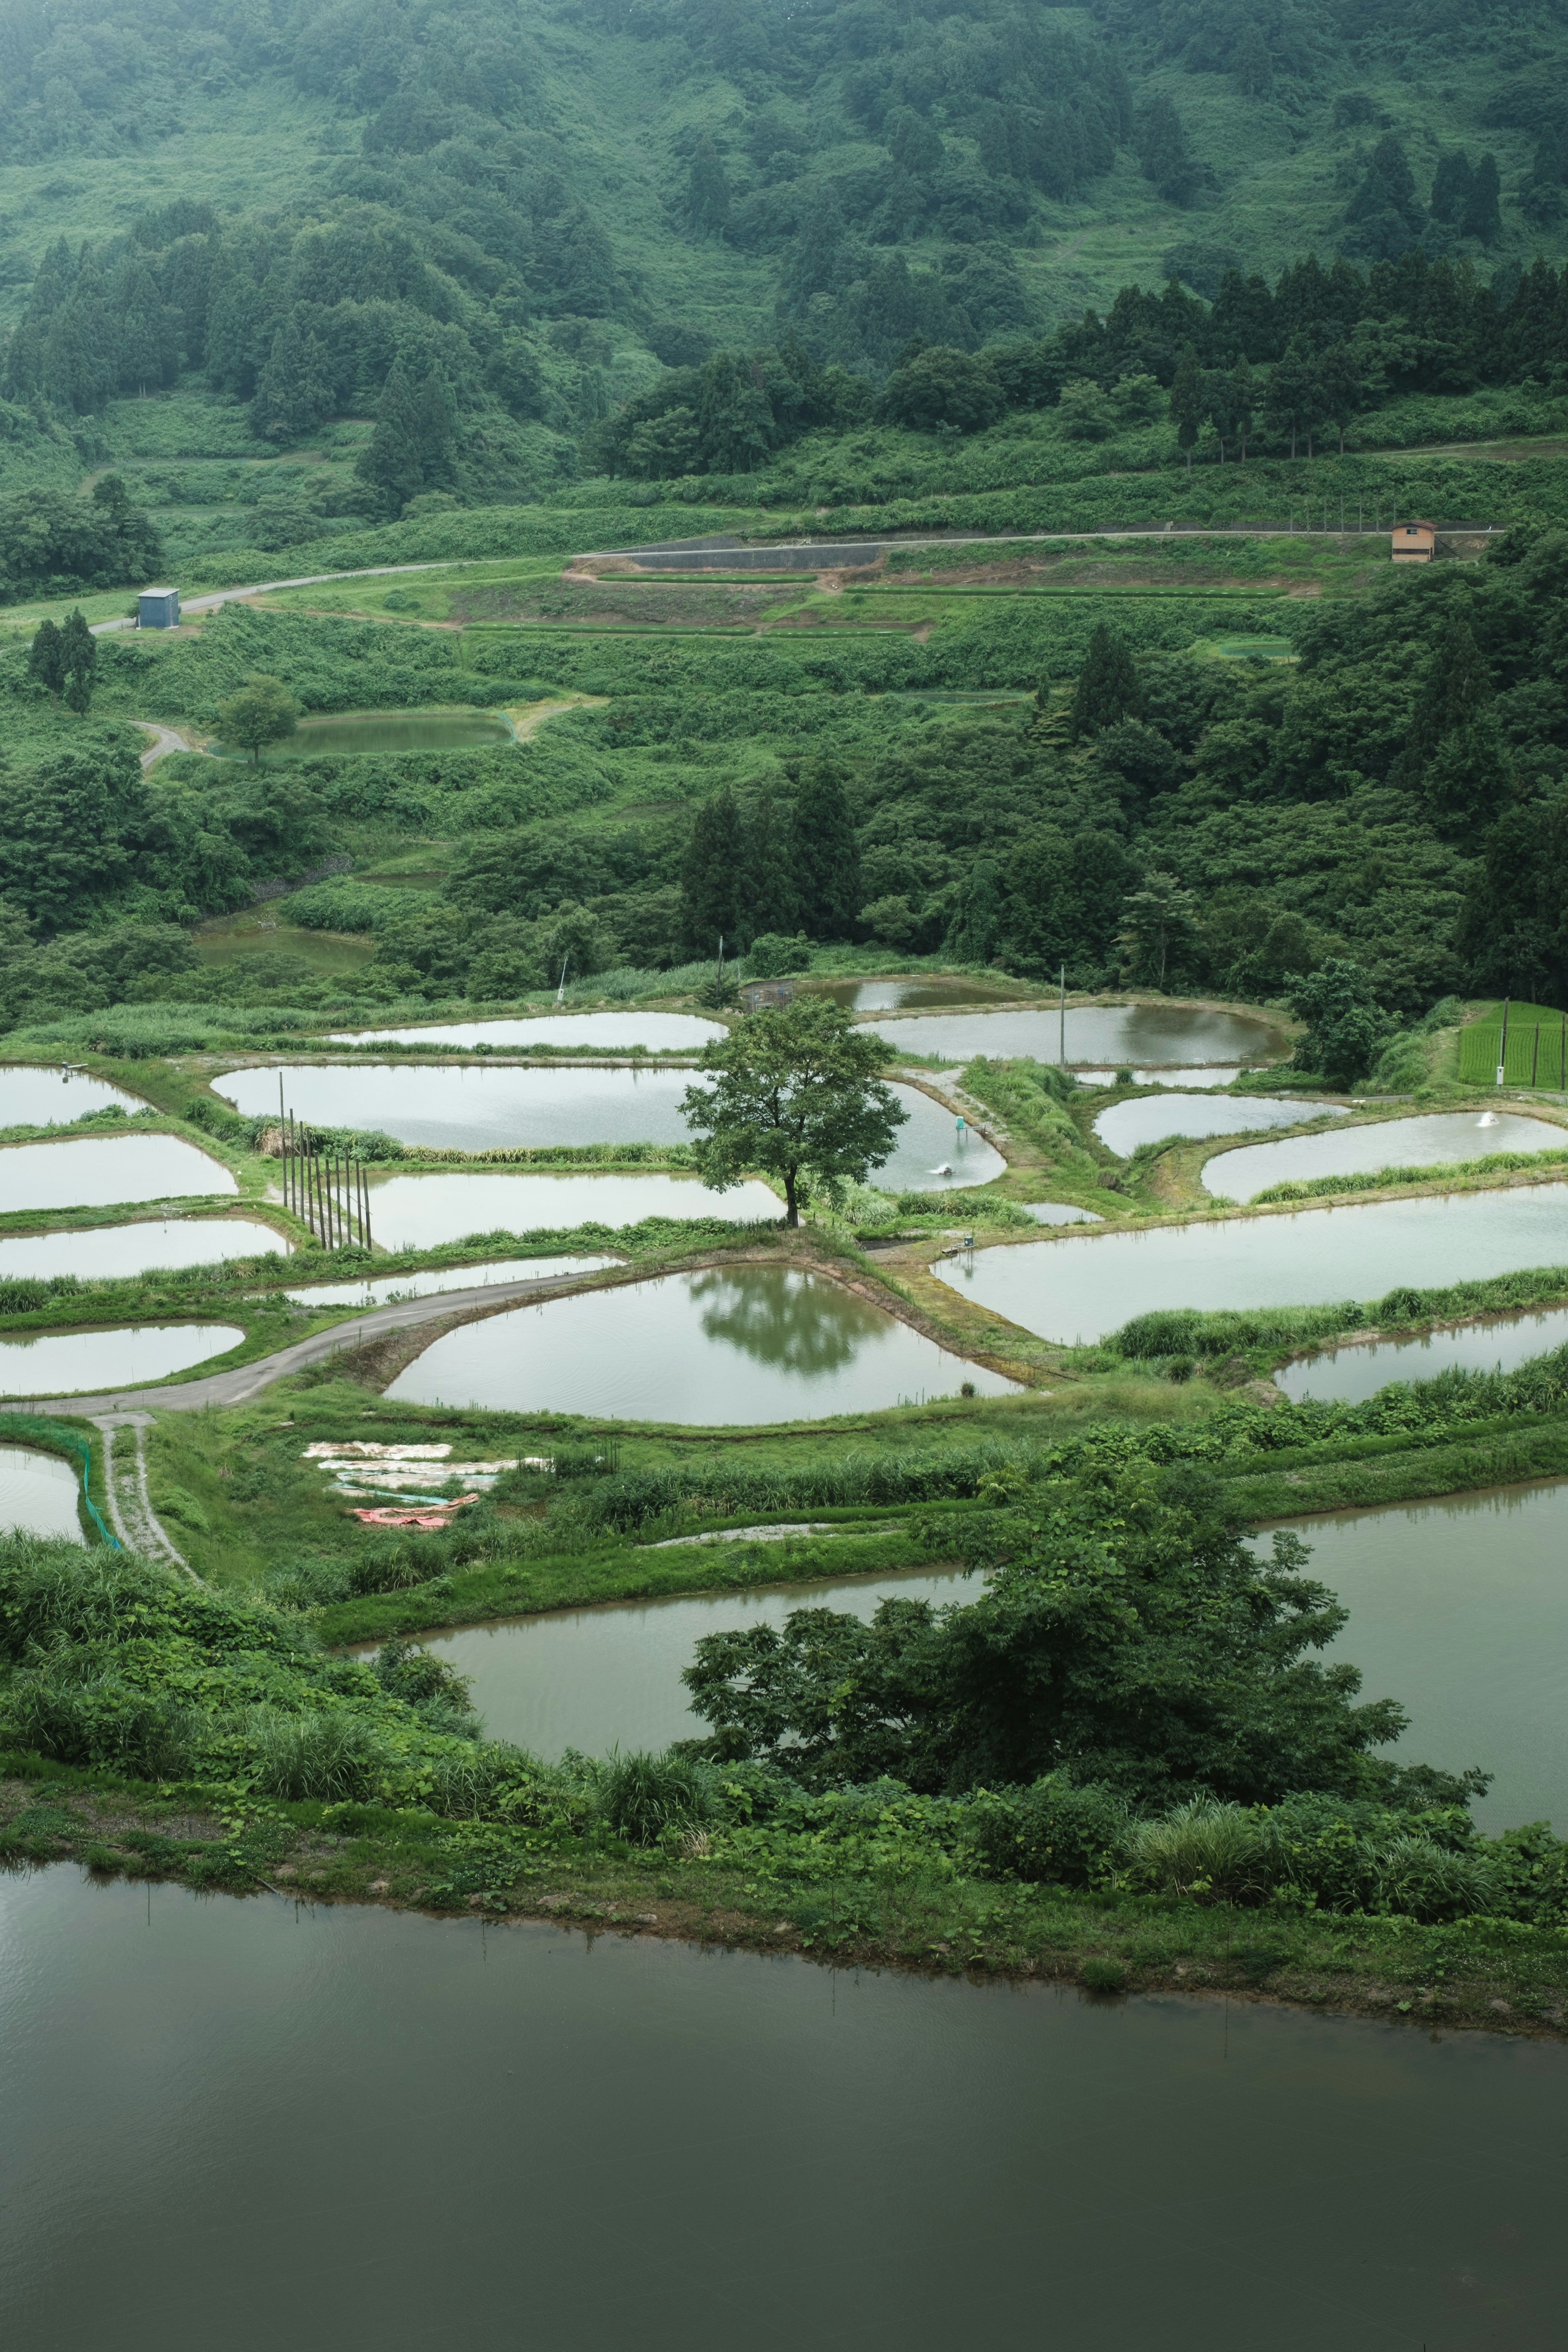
(592,1032)
(445,1277)
(352,733)
(1498,1344)
(32,1096)
(97,1172)
(1082,1287)
(38,1494)
(423,1211)
(59,1363)
(467,1106)
(1126,1125)
(226,2120)
(728,1346)
(1118,1035)
(596,1679)
(105,1252)
(1387,1143)
(1459,1610)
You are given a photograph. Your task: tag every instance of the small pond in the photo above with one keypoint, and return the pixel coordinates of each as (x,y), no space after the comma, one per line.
(467,1106)
(1060,1212)
(896,995)
(34,1097)
(106,1252)
(423,1211)
(258,932)
(95,1173)
(1388,1143)
(38,1495)
(592,1033)
(1459,1611)
(1498,1344)
(1149,1120)
(63,1363)
(429,1285)
(347,733)
(731,1345)
(1083,1289)
(596,1679)
(187,2076)
(1121,1035)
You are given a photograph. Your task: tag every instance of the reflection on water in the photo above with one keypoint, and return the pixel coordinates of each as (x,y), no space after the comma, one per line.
(885,995)
(31,1096)
(594,1033)
(1459,1611)
(59,1363)
(753,1343)
(192,2077)
(1214,1074)
(38,1495)
(95,1173)
(106,1252)
(1059,1212)
(931,1154)
(423,1211)
(596,1679)
(1083,1287)
(467,1107)
(429,1285)
(1389,1143)
(1126,1125)
(1500,1344)
(1118,1035)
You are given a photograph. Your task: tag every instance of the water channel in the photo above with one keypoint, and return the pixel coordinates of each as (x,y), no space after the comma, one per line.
(590,1033)
(410,1213)
(1153,1117)
(34,1095)
(1120,1035)
(104,1253)
(436,2129)
(57,1363)
(1083,1287)
(1429,1142)
(730,1346)
(430,1283)
(97,1172)
(38,1495)
(1498,1344)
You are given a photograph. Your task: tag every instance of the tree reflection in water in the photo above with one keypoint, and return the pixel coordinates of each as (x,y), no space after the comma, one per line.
(796,1322)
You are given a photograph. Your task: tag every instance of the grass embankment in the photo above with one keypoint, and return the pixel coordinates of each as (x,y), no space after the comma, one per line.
(1498,1975)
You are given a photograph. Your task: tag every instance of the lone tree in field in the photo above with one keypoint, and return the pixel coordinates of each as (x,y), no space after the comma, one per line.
(262,712)
(797,1093)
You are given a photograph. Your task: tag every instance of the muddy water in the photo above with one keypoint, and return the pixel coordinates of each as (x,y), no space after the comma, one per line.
(38,1494)
(60,1362)
(424,1212)
(1080,1288)
(1149,1120)
(95,1173)
(1388,1143)
(592,1032)
(104,1252)
(730,1346)
(445,2130)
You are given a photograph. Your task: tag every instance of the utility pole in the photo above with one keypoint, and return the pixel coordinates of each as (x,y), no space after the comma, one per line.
(1062,1019)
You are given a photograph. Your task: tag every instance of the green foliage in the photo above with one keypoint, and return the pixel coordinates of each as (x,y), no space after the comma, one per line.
(1345,1025)
(262,713)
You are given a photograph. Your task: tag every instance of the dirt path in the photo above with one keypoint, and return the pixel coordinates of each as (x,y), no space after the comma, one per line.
(210,603)
(164,740)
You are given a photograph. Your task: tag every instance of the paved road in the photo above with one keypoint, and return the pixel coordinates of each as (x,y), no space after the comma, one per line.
(249,1380)
(164,740)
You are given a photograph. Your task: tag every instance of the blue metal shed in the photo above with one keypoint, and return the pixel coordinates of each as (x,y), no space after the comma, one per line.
(158,608)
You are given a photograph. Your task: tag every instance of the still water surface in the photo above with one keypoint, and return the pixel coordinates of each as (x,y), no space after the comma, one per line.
(1082,1288)
(60,1361)
(1126,1125)
(38,1494)
(750,1343)
(1120,1035)
(1500,1344)
(1459,1611)
(107,1251)
(31,1096)
(423,1211)
(444,1277)
(1386,1143)
(467,1107)
(93,1173)
(610,1677)
(1207,1074)
(1060,1212)
(445,2131)
(594,1033)
(387,732)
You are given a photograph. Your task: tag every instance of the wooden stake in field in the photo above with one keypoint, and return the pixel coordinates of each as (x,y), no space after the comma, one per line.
(1502,1045)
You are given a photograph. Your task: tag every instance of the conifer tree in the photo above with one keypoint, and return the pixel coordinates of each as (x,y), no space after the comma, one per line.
(78,657)
(395,461)
(771,902)
(711,877)
(978,920)
(1483,209)
(46,658)
(1187,400)
(1107,687)
(706,191)
(827,855)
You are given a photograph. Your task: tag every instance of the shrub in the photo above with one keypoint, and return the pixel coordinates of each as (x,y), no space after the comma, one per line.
(1201,1850)
(644,1796)
(1057,1830)
(772,956)
(326,1755)
(1103,1976)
